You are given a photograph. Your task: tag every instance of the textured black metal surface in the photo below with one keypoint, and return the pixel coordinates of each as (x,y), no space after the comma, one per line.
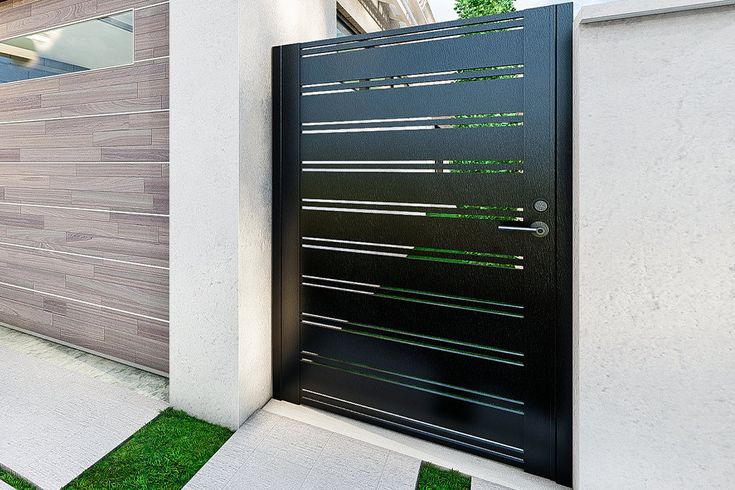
(397,298)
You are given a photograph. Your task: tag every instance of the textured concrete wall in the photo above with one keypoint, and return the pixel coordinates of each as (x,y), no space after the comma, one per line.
(220,197)
(655,157)
(264,23)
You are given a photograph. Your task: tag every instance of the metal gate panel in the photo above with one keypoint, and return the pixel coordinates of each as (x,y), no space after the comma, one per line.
(421,221)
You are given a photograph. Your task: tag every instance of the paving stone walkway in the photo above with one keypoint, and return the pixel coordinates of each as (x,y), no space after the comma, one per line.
(274,452)
(55,423)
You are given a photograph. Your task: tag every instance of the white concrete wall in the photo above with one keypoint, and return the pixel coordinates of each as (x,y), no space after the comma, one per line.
(220,197)
(655,182)
(263,24)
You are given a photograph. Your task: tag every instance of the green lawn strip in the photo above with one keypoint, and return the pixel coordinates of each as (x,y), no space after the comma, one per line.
(163,455)
(15,481)
(432,477)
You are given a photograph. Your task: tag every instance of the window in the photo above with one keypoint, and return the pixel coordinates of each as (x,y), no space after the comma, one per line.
(344,28)
(88,45)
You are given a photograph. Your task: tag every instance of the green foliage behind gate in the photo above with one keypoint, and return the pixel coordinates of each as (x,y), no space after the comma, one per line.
(477,8)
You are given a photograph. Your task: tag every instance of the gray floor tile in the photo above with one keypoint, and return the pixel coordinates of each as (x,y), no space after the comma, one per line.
(356,461)
(479,484)
(55,423)
(218,472)
(400,473)
(5,486)
(348,478)
(274,452)
(297,443)
(268,472)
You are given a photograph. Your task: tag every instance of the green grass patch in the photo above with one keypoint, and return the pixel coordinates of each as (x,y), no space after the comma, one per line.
(163,455)
(15,481)
(432,477)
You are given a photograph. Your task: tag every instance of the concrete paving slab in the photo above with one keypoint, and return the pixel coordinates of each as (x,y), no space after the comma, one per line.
(273,452)
(55,423)
(480,484)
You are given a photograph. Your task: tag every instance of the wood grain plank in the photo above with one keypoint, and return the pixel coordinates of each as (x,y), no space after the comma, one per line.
(104,93)
(145,170)
(117,248)
(25,316)
(87,125)
(68,141)
(135,154)
(44,169)
(43,6)
(151,19)
(114,106)
(26,88)
(13,14)
(125,137)
(112,5)
(30,114)
(100,184)
(60,155)
(151,44)
(120,201)
(17,219)
(138,72)
(9,154)
(25,181)
(119,296)
(20,102)
(73,214)
(22,130)
(46,20)
(37,196)
(153,88)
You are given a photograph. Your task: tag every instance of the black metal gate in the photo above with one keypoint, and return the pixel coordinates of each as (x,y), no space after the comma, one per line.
(422,234)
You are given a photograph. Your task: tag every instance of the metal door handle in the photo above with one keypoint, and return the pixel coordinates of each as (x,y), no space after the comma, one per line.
(539,229)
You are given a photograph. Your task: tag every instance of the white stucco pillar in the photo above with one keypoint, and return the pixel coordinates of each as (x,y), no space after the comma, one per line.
(655,190)
(221,197)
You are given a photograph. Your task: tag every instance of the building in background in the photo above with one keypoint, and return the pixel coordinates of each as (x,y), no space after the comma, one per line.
(360,16)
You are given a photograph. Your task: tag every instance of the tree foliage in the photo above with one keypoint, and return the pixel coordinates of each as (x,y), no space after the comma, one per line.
(477,8)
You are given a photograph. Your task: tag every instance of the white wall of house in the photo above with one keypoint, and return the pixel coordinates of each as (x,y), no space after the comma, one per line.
(221,197)
(655,190)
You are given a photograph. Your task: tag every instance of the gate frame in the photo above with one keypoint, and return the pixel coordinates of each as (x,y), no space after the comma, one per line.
(287,242)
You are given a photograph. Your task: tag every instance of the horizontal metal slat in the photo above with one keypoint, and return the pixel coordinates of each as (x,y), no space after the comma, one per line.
(458,325)
(453,279)
(437,188)
(411,122)
(441,100)
(487,382)
(503,143)
(479,51)
(424,232)
(492,425)
(428,35)
(343,41)
(416,79)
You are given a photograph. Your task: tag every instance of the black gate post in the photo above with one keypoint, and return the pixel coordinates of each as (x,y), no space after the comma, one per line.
(564,223)
(286,235)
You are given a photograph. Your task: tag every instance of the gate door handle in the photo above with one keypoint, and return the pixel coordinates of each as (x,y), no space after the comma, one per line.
(539,229)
